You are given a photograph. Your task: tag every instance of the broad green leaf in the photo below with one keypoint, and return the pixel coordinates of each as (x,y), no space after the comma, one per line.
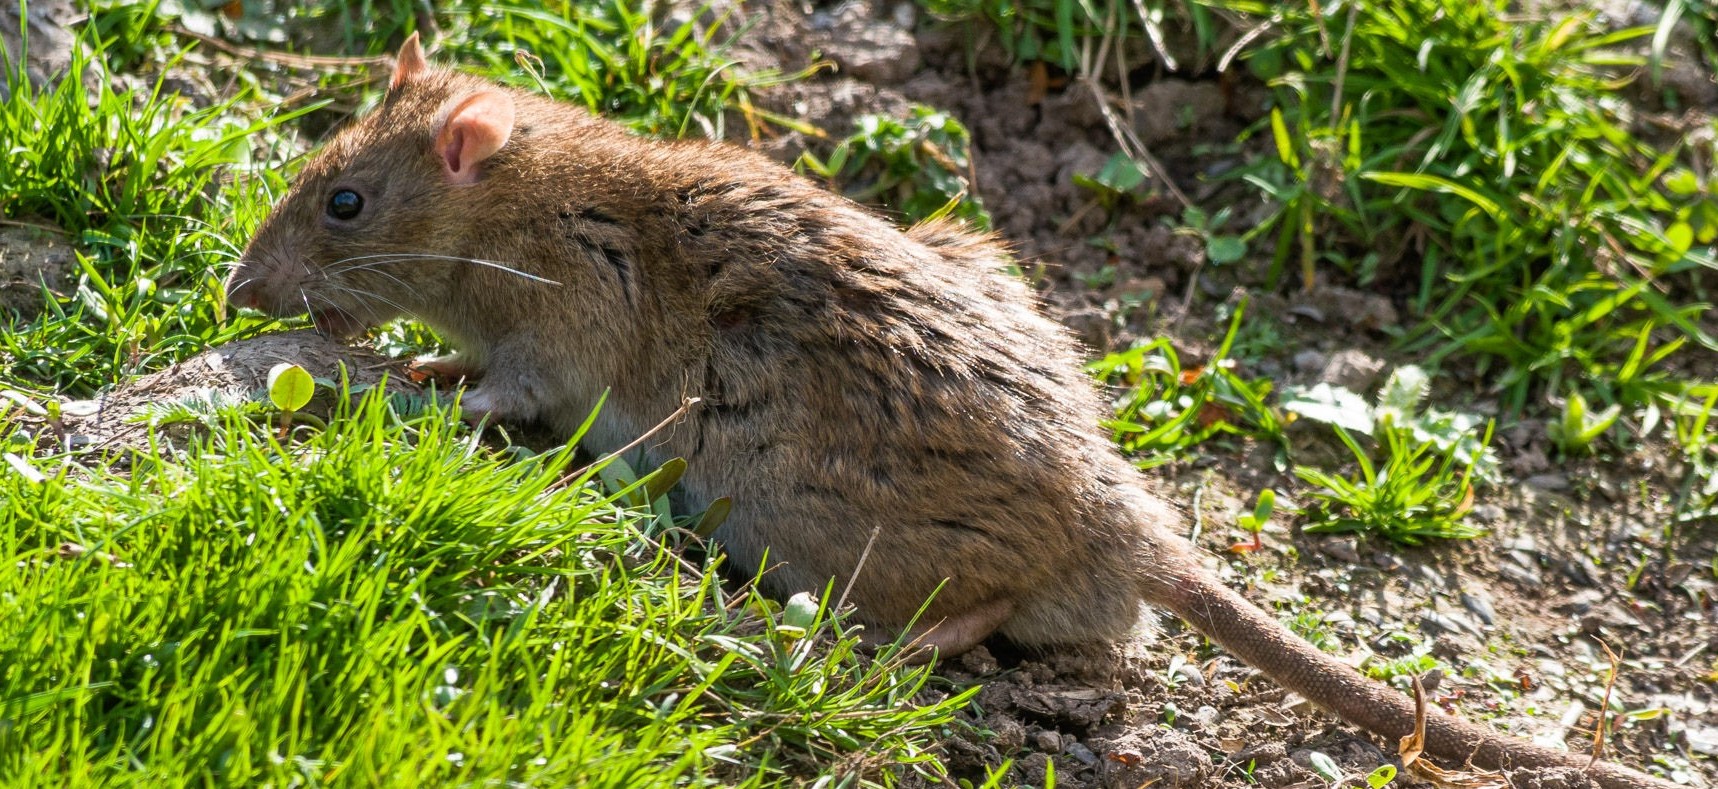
(1225,249)
(289,386)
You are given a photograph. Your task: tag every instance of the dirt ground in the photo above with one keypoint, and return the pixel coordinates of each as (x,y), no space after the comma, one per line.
(1579,552)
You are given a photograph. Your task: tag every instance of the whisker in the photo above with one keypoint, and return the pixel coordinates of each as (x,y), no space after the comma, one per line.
(397,257)
(348,290)
(404,285)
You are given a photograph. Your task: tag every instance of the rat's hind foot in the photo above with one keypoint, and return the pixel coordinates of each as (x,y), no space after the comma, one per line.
(951,635)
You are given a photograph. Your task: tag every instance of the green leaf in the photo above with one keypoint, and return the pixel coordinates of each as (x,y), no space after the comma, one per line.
(1682,182)
(664,478)
(1225,249)
(1285,146)
(713,517)
(1433,183)
(800,613)
(289,386)
(1261,514)
(1324,766)
(1680,236)
(1121,173)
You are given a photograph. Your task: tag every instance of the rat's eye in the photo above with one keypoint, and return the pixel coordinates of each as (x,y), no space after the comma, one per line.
(345,204)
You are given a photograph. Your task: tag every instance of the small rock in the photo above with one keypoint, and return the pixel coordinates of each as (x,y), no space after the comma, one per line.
(1346,549)
(1581,571)
(1581,602)
(905,15)
(1189,673)
(1486,513)
(1439,622)
(1553,481)
(1081,753)
(1526,576)
(1310,361)
(1702,739)
(1010,734)
(1353,370)
(1032,767)
(978,660)
(1480,604)
(1047,741)
(80,408)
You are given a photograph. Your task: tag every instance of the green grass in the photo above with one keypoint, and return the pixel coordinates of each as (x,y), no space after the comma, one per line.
(1483,162)
(388,603)
(137,183)
(1555,247)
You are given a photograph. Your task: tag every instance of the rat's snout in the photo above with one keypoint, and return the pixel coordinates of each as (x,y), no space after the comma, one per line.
(244,291)
(258,287)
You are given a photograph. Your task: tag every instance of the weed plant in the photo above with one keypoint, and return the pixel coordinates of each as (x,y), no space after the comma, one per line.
(1165,409)
(919,166)
(1421,486)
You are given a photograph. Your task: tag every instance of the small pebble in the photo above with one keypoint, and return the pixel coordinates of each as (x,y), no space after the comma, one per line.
(1082,754)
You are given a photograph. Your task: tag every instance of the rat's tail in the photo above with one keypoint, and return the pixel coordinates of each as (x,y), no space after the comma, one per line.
(1262,642)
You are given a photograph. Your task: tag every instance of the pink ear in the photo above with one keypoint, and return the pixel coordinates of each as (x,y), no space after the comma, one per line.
(474,130)
(409,64)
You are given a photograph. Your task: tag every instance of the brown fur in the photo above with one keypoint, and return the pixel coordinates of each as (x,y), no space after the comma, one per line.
(856,378)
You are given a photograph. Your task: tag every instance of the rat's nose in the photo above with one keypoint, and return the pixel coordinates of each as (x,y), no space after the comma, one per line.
(244,291)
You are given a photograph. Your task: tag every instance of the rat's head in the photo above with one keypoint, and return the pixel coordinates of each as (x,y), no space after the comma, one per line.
(378,222)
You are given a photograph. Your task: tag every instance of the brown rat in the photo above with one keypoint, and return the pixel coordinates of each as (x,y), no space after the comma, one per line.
(856,379)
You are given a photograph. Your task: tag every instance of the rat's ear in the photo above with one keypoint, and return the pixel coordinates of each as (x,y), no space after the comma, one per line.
(472,131)
(409,64)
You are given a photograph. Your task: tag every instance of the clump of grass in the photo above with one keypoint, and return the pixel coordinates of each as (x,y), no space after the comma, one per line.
(661,75)
(135,181)
(1493,155)
(1061,32)
(326,612)
(1422,486)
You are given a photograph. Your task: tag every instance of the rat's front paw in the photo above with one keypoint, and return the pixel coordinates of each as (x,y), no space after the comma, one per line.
(448,370)
(487,403)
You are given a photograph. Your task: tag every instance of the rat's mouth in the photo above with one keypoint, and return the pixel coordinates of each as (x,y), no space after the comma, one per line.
(337,322)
